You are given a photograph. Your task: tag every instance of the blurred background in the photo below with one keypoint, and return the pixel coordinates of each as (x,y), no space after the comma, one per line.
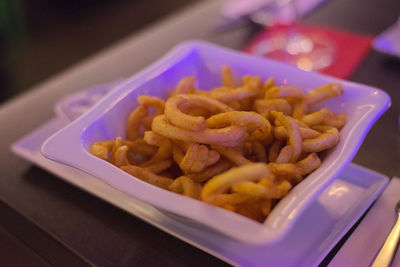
(39,38)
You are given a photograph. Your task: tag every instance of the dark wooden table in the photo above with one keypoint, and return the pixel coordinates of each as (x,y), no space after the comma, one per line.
(46,221)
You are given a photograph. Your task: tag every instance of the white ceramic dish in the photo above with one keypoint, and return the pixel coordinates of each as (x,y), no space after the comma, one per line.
(362,105)
(318,229)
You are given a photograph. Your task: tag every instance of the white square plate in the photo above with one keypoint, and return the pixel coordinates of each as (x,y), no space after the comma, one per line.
(316,232)
(362,104)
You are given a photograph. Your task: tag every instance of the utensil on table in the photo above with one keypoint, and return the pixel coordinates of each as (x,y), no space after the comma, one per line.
(389,248)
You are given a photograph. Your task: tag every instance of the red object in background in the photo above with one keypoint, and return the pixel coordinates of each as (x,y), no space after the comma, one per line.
(349,48)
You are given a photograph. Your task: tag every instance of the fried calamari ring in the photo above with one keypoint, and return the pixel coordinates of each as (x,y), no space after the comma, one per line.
(152,101)
(197,158)
(140,146)
(251,88)
(310,163)
(107,150)
(228,136)
(253,82)
(326,140)
(236,94)
(285,154)
(287,171)
(186,186)
(133,124)
(191,109)
(148,176)
(146,121)
(119,157)
(188,122)
(119,153)
(284,91)
(293,131)
(254,122)
(267,189)
(265,106)
(219,167)
(306,133)
(322,93)
(227,77)
(325,116)
(337,121)
(221,183)
(299,109)
(232,154)
(164,147)
(102,149)
(269,83)
(139,114)
(185,85)
(159,166)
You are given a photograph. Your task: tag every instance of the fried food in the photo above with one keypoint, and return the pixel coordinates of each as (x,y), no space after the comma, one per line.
(241,146)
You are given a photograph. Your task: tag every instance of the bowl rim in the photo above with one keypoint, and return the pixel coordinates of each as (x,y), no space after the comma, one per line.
(75,155)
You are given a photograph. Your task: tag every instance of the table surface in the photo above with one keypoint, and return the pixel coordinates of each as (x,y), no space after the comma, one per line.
(45,221)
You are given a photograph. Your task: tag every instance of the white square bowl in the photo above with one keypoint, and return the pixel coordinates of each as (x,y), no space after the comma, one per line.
(362,104)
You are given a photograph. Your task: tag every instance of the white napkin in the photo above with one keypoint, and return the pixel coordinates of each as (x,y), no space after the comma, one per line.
(364,243)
